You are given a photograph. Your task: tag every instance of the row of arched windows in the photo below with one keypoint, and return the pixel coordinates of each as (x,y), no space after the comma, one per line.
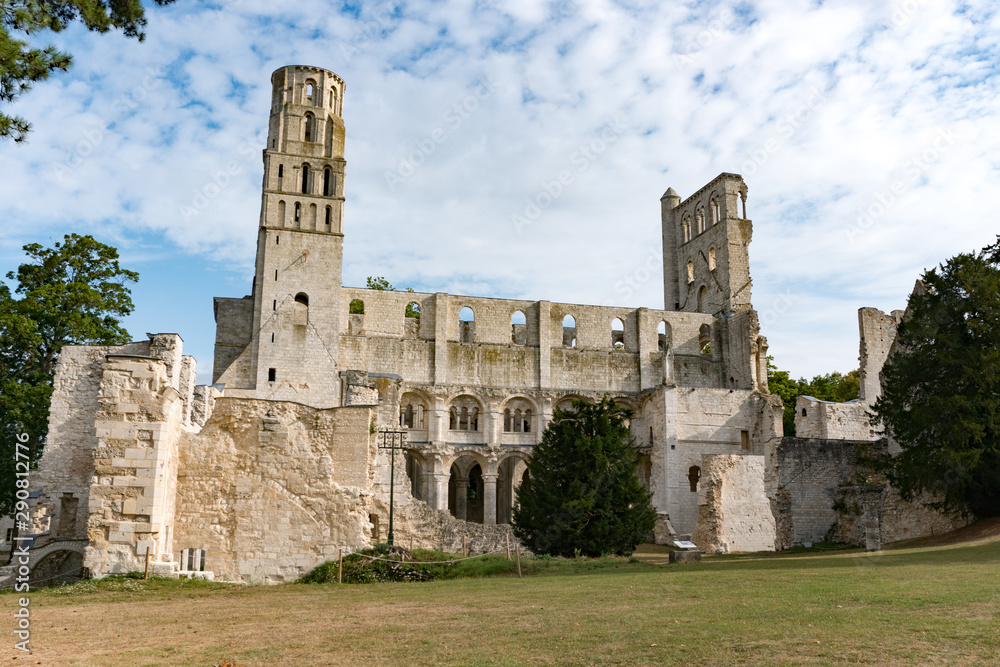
(306,184)
(302,218)
(702,220)
(516,421)
(463,419)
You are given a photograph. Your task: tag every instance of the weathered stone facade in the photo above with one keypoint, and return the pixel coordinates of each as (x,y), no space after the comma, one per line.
(276,466)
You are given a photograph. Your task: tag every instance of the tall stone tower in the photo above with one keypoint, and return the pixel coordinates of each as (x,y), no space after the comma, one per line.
(706,265)
(300,240)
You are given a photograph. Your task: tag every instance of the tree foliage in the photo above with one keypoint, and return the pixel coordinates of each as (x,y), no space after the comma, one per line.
(70,294)
(583,496)
(21,65)
(941,387)
(830,387)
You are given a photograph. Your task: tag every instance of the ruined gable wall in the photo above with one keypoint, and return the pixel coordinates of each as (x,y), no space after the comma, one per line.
(734,510)
(272,489)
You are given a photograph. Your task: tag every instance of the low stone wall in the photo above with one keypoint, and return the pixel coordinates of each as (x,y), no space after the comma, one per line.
(734,513)
(828,420)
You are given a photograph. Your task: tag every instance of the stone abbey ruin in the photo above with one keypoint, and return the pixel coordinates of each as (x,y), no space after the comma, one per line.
(275,467)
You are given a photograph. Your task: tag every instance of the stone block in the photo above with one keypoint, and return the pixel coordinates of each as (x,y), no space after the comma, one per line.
(685,556)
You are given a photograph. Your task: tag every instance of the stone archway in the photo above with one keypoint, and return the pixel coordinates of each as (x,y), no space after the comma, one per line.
(57,568)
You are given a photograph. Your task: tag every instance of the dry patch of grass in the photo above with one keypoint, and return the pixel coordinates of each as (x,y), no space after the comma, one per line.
(931,605)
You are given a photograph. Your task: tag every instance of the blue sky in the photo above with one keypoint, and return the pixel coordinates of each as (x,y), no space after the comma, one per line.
(867,132)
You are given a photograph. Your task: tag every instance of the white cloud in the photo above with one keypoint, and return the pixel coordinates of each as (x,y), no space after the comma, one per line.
(822,107)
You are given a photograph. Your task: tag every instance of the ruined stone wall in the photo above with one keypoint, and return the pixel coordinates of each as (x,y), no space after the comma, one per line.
(536,356)
(829,420)
(878,331)
(700,422)
(233,331)
(809,474)
(734,512)
(897,519)
(67,463)
(271,489)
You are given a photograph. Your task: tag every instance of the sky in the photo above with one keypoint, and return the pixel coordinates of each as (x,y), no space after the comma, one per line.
(868,134)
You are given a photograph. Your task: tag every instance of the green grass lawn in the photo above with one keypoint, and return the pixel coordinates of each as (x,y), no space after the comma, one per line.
(912,606)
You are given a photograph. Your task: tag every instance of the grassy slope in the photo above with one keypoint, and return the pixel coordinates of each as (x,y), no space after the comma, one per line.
(927,605)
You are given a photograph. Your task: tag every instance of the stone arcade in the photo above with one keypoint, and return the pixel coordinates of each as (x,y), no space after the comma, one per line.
(273,468)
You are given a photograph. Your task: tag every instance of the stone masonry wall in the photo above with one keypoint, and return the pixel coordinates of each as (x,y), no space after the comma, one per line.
(271,489)
(734,510)
(828,420)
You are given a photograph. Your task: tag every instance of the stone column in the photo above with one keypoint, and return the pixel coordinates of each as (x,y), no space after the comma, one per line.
(544,344)
(461,498)
(441,490)
(489,498)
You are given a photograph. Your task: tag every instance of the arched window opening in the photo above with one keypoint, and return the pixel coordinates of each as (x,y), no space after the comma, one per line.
(327,182)
(702,298)
(305,179)
(310,92)
(413,310)
(466,325)
(518,422)
(300,309)
(663,336)
(281,213)
(408,416)
(694,474)
(463,420)
(506,421)
(312,216)
(298,214)
(281,172)
(711,259)
(329,215)
(357,307)
(333,99)
(310,127)
(686,227)
(705,339)
(690,272)
(474,420)
(518,328)
(569,331)
(700,220)
(716,212)
(453,419)
(527,421)
(617,334)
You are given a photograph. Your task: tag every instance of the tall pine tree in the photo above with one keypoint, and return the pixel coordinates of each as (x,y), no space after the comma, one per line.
(583,496)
